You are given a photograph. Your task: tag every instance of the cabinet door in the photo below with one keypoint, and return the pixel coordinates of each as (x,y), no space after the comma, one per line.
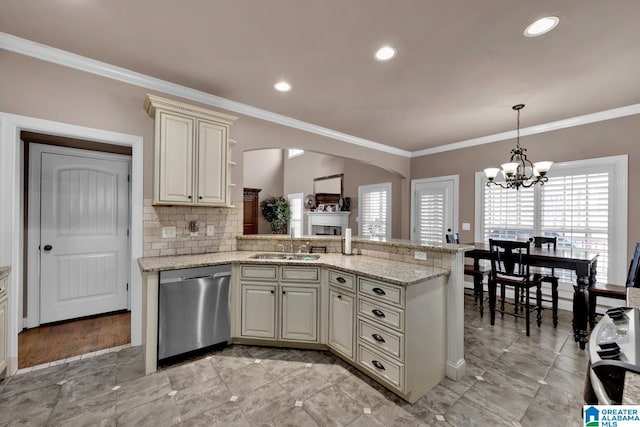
(300,313)
(258,311)
(4,320)
(341,322)
(174,171)
(212,164)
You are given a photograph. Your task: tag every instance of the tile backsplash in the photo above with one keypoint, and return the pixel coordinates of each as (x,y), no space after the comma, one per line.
(226,223)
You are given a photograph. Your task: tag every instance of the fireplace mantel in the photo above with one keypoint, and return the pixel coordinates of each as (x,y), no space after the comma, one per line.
(332,223)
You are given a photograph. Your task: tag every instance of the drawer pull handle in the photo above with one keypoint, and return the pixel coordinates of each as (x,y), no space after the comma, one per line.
(378,337)
(378,313)
(341,279)
(379,291)
(339,296)
(377,364)
(272,291)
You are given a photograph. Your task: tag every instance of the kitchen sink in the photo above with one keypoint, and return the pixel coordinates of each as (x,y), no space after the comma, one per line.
(295,257)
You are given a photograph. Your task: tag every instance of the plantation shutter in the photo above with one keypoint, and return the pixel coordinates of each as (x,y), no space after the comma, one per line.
(295,205)
(508,213)
(575,207)
(374,210)
(431,226)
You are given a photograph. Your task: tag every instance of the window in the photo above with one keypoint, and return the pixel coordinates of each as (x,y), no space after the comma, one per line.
(374,210)
(295,152)
(295,204)
(584,205)
(434,209)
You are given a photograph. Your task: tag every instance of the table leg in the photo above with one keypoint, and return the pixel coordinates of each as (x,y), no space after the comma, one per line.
(581,304)
(492,301)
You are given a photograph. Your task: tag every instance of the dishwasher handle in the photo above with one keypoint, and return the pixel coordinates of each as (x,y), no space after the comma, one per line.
(184,279)
(208,276)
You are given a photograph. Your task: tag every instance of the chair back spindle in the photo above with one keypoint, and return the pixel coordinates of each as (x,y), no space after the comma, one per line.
(633,279)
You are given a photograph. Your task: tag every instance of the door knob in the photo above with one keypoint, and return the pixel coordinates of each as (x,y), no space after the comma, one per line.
(47,247)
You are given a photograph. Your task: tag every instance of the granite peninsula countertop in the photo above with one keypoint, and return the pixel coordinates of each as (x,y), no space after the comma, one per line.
(4,272)
(396,243)
(400,273)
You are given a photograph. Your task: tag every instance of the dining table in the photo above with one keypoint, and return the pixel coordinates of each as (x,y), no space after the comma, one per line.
(582,261)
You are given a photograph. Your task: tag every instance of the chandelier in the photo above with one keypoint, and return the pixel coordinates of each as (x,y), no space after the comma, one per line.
(519,172)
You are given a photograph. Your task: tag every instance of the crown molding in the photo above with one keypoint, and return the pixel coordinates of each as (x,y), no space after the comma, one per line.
(61,57)
(600,116)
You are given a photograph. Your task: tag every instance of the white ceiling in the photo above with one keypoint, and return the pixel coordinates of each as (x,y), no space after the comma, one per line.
(461,64)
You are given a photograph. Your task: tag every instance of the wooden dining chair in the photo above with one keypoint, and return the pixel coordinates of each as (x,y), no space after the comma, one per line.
(548,275)
(478,275)
(609,290)
(510,267)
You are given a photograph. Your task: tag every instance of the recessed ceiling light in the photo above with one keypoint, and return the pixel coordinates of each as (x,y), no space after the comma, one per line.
(541,26)
(282,86)
(385,53)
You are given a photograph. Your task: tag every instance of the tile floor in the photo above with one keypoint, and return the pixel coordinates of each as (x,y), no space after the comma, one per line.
(512,380)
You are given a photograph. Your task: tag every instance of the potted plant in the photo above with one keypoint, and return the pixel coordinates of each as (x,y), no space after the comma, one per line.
(276,210)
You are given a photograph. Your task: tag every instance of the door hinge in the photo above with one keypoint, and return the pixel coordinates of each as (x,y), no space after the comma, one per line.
(127,232)
(127,287)
(128,178)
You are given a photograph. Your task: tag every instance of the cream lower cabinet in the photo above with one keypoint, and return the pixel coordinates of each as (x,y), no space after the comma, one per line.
(342,313)
(401,338)
(341,322)
(280,303)
(258,311)
(4,324)
(299,313)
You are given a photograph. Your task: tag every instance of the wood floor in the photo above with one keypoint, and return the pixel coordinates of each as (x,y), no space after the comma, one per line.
(66,339)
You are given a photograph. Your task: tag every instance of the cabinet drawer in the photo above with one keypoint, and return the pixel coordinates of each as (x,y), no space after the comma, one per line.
(264,272)
(381,366)
(300,274)
(381,313)
(382,291)
(343,280)
(391,343)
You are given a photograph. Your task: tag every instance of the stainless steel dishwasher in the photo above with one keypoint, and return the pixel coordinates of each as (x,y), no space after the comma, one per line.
(193,309)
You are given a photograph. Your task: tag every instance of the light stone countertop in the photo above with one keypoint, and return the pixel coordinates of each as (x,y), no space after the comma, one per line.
(398,243)
(4,272)
(395,272)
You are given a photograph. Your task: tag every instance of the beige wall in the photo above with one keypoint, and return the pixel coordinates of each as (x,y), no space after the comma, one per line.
(607,138)
(300,172)
(264,169)
(35,88)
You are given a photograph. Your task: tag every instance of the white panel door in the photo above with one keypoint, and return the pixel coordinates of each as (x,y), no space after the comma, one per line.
(433,209)
(84,253)
(212,163)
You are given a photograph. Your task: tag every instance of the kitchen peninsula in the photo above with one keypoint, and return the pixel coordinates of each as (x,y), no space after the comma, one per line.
(397,318)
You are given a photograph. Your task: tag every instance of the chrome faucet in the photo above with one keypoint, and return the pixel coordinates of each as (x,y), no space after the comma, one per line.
(293,251)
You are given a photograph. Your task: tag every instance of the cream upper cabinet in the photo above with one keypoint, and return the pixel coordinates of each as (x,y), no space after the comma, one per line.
(192,153)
